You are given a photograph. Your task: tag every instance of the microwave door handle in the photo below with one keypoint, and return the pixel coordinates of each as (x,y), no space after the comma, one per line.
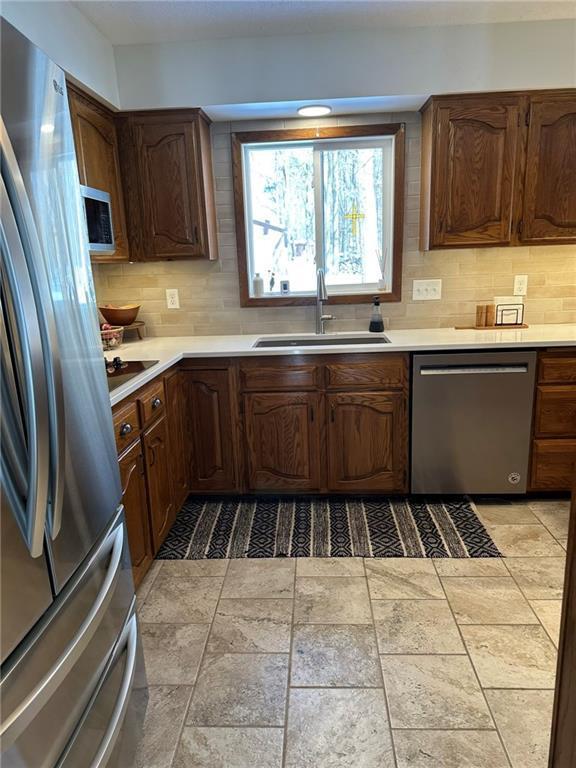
(18,287)
(31,247)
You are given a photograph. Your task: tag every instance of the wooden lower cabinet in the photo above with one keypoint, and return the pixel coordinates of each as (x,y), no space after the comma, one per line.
(133,479)
(367,443)
(158,480)
(179,436)
(283,440)
(213,453)
(553,465)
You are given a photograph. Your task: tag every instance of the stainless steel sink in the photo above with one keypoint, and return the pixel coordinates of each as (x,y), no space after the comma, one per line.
(326,340)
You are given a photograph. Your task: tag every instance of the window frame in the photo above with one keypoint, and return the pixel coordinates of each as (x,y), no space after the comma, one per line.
(239,139)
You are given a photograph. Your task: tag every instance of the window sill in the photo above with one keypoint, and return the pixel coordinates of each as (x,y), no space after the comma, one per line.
(303,301)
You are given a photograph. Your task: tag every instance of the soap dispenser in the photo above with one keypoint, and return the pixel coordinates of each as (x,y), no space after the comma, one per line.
(376,321)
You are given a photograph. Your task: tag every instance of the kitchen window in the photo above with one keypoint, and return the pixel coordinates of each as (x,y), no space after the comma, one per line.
(326,197)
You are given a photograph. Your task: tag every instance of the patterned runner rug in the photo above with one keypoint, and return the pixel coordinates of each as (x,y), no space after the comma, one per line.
(264,526)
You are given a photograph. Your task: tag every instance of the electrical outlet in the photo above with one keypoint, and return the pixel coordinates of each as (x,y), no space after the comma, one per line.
(520,285)
(426,290)
(172,298)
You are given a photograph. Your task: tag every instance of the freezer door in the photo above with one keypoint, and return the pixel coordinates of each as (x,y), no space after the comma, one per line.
(41,178)
(48,684)
(112,724)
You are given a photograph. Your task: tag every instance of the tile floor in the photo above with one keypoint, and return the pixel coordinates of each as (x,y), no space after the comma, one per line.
(351,663)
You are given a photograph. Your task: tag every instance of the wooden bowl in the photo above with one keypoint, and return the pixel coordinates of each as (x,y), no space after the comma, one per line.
(124,315)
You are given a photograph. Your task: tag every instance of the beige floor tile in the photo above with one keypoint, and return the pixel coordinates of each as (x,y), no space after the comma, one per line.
(549,612)
(506,514)
(402,578)
(266,577)
(147,581)
(524,541)
(173,652)
(329,566)
(524,719)
(338,728)
(539,578)
(328,600)
(563,543)
(191,569)
(165,713)
(238,689)
(555,515)
(178,599)
(511,656)
(416,626)
(434,692)
(335,655)
(249,625)
(470,566)
(488,601)
(449,749)
(230,748)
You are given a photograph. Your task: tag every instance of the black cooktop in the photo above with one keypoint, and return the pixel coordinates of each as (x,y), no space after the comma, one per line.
(119,371)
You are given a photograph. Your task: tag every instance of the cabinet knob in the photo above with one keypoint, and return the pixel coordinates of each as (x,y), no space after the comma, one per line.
(125,429)
(156,403)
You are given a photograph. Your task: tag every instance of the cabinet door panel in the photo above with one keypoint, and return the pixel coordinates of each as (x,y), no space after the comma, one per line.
(555,411)
(553,465)
(132,477)
(475,167)
(550,187)
(169,176)
(283,440)
(213,460)
(179,436)
(159,480)
(98,165)
(367,441)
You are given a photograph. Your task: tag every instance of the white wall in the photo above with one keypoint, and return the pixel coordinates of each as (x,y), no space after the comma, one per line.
(70,40)
(357,63)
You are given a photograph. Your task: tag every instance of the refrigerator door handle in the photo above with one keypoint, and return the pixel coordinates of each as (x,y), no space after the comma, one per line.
(130,638)
(13,724)
(29,240)
(19,292)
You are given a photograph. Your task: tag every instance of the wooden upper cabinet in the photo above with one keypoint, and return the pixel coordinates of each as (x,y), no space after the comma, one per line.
(549,213)
(169,191)
(470,149)
(213,451)
(98,162)
(367,441)
(283,440)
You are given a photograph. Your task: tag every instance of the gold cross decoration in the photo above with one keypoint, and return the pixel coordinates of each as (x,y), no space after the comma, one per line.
(354,217)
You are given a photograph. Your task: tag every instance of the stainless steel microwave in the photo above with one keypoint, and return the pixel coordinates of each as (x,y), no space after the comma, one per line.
(98,221)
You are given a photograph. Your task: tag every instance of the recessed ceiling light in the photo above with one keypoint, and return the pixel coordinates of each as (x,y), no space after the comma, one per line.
(315,110)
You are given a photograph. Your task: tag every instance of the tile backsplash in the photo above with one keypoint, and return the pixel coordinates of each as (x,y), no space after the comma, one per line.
(209,298)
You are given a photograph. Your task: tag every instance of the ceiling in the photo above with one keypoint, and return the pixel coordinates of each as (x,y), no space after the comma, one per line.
(154,21)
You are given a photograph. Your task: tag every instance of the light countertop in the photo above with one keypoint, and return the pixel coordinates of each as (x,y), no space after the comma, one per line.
(169,350)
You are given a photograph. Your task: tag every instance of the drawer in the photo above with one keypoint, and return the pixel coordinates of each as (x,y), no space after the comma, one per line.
(281,376)
(555,411)
(553,465)
(377,373)
(152,401)
(557,367)
(126,425)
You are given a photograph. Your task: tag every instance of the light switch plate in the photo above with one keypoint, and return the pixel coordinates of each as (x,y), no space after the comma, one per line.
(426,290)
(520,285)
(172,298)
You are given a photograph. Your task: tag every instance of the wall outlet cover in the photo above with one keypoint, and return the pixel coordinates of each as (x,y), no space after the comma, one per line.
(520,285)
(172,298)
(426,290)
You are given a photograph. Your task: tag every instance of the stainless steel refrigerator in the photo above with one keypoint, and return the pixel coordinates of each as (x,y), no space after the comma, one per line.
(72,685)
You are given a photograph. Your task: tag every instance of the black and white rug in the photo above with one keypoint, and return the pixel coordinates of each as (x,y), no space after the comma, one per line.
(242,526)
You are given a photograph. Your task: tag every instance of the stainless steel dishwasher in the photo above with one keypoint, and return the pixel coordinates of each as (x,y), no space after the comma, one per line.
(471,422)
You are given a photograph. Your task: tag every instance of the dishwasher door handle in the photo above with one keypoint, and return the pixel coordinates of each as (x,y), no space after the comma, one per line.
(473,369)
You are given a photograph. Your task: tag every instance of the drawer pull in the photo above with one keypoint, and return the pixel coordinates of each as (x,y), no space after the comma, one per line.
(156,403)
(125,429)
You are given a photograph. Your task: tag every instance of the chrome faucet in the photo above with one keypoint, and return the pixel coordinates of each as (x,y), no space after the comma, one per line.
(321,297)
